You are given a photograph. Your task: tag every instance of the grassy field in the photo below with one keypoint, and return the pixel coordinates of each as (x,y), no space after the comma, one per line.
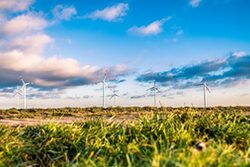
(127,137)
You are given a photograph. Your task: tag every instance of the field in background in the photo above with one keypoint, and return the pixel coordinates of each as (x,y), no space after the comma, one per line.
(20,117)
(130,136)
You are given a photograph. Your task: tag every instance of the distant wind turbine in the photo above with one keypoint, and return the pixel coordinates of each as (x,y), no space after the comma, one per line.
(114,95)
(154,89)
(18,93)
(103,89)
(205,89)
(161,104)
(24,93)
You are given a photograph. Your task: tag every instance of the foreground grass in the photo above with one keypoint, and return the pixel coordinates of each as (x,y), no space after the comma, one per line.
(158,139)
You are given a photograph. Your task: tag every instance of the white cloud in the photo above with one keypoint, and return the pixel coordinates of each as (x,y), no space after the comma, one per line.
(52,71)
(24,42)
(33,44)
(61,12)
(239,54)
(153,28)
(24,23)
(15,5)
(112,13)
(195,3)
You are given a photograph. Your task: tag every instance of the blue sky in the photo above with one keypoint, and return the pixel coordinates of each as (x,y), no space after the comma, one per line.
(65,47)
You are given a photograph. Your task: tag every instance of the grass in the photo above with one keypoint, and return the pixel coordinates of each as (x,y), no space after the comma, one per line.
(163,137)
(99,112)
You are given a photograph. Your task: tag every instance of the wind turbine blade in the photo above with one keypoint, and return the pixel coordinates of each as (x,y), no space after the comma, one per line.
(208,89)
(198,84)
(149,89)
(22,88)
(17,92)
(112,95)
(23,81)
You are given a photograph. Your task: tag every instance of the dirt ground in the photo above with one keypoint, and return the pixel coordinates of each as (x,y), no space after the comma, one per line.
(31,119)
(121,119)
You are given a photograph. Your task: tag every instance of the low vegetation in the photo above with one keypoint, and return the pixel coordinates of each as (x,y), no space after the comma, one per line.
(159,137)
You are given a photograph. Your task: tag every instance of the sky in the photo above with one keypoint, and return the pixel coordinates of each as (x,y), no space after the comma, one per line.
(65,48)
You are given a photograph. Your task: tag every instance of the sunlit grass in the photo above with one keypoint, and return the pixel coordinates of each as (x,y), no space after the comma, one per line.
(157,139)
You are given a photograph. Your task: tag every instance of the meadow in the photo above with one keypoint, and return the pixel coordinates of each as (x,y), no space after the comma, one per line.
(130,136)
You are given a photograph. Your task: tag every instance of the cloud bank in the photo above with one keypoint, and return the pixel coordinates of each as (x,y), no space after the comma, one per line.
(24,41)
(228,71)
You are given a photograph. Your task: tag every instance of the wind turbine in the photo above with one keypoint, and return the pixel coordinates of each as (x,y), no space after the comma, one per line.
(161,104)
(18,93)
(24,93)
(114,95)
(154,89)
(205,89)
(103,90)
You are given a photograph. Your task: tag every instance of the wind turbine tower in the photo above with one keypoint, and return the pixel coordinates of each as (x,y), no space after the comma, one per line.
(154,89)
(103,90)
(205,89)
(18,93)
(24,93)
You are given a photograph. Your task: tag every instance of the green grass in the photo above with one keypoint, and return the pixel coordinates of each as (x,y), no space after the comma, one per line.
(157,139)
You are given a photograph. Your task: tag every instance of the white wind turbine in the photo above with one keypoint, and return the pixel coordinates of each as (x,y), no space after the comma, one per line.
(18,93)
(161,103)
(154,89)
(114,95)
(205,89)
(103,90)
(24,93)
